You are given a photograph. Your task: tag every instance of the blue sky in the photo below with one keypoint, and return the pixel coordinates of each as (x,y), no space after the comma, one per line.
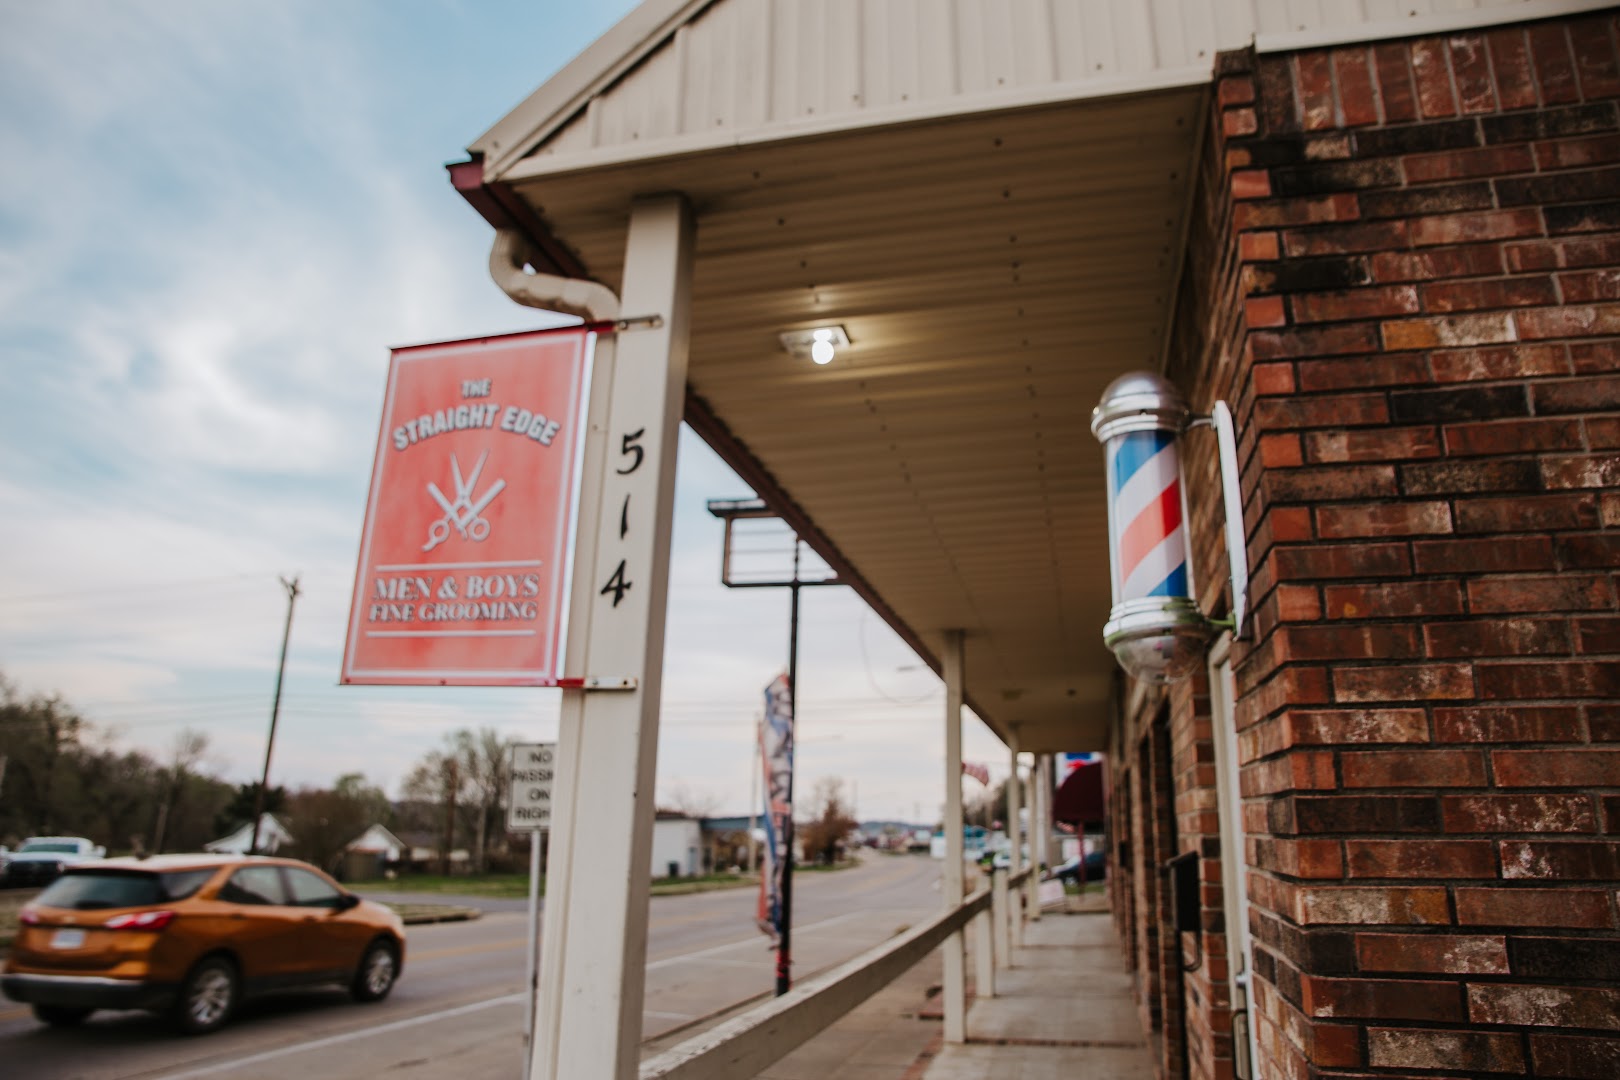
(214,220)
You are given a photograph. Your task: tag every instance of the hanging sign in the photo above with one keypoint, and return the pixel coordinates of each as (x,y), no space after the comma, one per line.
(471,507)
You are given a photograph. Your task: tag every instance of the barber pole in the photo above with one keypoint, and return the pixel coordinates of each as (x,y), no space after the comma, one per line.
(1155,628)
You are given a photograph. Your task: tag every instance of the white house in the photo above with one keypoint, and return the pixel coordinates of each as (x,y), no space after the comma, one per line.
(677,847)
(272,835)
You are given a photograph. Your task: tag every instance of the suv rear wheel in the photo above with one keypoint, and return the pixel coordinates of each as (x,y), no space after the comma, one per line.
(208,996)
(60,1015)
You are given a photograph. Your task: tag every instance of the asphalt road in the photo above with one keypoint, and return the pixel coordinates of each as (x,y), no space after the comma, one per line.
(458,1009)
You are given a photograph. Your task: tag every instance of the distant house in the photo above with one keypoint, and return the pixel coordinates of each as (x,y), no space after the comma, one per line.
(372,854)
(677,845)
(726,841)
(273,835)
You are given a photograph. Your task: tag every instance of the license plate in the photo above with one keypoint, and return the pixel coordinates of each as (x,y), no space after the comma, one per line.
(67,939)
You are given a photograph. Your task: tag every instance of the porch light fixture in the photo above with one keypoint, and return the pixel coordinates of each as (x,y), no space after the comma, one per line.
(1155,629)
(816,343)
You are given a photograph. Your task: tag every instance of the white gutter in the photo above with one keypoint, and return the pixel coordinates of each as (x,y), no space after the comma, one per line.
(509,266)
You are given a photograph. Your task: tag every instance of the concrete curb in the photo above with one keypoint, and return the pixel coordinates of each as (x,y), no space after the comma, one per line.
(423,914)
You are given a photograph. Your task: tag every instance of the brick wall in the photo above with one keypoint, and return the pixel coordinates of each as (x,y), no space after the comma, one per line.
(1427,371)
(1404,276)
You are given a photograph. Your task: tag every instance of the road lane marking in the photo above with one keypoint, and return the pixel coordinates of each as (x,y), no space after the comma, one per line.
(348,1036)
(747,943)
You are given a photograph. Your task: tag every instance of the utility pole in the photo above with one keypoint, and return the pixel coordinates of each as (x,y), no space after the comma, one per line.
(275,713)
(450,815)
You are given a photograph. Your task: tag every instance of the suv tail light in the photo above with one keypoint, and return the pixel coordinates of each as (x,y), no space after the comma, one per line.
(140,920)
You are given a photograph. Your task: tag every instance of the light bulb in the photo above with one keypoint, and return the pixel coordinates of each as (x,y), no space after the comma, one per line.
(823,334)
(822,351)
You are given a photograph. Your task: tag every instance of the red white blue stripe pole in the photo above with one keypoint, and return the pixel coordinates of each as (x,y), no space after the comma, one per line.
(1155,628)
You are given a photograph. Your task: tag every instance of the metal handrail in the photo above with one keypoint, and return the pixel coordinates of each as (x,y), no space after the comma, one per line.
(746,1045)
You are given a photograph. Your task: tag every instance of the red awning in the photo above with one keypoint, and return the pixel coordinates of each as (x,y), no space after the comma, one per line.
(1079,799)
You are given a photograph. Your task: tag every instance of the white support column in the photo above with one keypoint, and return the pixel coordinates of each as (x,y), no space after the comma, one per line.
(1037,835)
(1015,828)
(1002,912)
(955,989)
(594,944)
(984,955)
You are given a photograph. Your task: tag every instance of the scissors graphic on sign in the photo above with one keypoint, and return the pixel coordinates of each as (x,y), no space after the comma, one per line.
(463,514)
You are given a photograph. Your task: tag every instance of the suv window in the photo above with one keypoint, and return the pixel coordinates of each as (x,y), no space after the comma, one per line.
(255,885)
(310,891)
(50,847)
(89,890)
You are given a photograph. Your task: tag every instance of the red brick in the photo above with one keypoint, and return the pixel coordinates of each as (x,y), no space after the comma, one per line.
(1587,551)
(1547,679)
(1473,228)
(1291,686)
(1554,66)
(1497,814)
(1587,471)
(1313,859)
(1296,603)
(1396,600)
(1250,184)
(1448,296)
(1455,477)
(1346,239)
(1451,954)
(1357,304)
(1236,123)
(1541,593)
(1363,372)
(1572,320)
(1576,153)
(1412,768)
(1280,451)
(1510,58)
(1494,724)
(1311,210)
(1565,860)
(1265,311)
(1436,263)
(1350,561)
(1581,1057)
(1545,1006)
(1403,682)
(1328,727)
(1594,58)
(1420,858)
(1346,642)
(1314,341)
(1498,637)
(1586,286)
(1383,520)
(1587,767)
(1315,83)
(1337,482)
(1354,77)
(1593,636)
(1514,908)
(1605,722)
(1293,771)
(1386,999)
(1577,395)
(1563,253)
(1371,905)
(1483,555)
(1377,444)
(1450,331)
(1433,77)
(1473,1052)
(1471,67)
(1395,89)
(1464,163)
(1259,247)
(1525,513)
(1602,433)
(1238,90)
(1512,437)
(1272,379)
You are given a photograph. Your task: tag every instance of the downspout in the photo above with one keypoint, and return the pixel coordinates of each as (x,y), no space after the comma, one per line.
(509,260)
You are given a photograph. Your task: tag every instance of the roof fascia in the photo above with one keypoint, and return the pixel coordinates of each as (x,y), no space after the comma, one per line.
(603,62)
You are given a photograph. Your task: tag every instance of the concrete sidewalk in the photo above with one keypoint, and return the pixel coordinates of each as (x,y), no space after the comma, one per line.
(1062,1010)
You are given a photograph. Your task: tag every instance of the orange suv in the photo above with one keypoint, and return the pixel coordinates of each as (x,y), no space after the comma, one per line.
(190,935)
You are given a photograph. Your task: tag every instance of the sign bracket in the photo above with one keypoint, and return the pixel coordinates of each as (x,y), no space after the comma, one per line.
(600,682)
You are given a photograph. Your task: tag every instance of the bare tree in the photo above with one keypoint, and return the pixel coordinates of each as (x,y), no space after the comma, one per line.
(681,798)
(823,836)
(437,779)
(188,751)
(483,757)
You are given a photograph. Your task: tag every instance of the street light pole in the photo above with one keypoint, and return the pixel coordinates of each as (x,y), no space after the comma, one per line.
(275,713)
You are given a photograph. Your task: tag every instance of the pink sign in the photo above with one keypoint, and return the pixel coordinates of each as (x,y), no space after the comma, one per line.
(461,580)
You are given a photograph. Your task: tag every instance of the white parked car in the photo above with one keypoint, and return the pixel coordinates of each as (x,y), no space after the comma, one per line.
(42,858)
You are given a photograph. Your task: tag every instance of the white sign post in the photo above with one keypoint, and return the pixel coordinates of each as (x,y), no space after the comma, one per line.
(528,807)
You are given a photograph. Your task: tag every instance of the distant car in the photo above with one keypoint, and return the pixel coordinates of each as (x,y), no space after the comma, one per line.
(1096,868)
(190,935)
(42,858)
